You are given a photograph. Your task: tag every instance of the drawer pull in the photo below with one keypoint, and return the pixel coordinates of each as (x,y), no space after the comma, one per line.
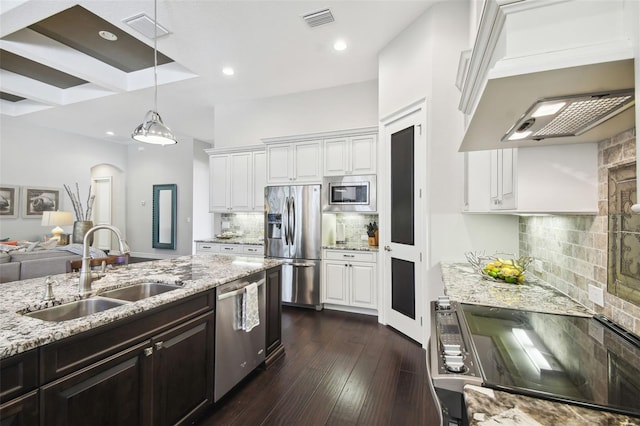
(159,345)
(348,255)
(148,351)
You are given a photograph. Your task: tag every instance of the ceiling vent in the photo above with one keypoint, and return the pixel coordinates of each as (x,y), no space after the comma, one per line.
(318,18)
(570,115)
(144,25)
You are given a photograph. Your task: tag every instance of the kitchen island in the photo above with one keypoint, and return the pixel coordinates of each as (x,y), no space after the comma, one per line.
(154,357)
(490,407)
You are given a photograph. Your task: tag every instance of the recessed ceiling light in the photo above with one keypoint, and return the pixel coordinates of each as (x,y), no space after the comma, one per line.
(340,45)
(109,133)
(107,35)
(228,71)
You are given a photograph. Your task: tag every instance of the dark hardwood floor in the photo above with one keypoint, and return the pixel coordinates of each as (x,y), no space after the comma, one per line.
(339,369)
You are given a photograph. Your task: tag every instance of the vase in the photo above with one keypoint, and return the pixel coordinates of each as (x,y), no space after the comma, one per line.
(80,228)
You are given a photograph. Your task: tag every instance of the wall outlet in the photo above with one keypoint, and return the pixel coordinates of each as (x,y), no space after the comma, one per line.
(537,265)
(596,295)
(364,237)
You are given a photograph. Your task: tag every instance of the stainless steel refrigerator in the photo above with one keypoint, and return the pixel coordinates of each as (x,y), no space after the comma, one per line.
(293,231)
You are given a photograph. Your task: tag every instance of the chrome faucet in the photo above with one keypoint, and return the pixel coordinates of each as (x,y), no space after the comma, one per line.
(86,275)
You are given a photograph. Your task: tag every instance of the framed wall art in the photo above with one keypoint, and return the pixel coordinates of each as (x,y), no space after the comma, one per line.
(36,200)
(9,201)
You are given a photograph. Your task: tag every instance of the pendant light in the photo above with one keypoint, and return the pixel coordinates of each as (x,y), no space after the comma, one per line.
(153,130)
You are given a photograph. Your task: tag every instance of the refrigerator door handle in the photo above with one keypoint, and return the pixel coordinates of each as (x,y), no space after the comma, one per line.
(286,225)
(293,210)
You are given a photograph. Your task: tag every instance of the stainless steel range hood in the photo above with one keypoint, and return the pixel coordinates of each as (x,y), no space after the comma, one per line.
(499,112)
(570,115)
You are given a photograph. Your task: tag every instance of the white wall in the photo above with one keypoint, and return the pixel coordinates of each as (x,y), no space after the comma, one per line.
(335,108)
(422,62)
(33,156)
(202,219)
(156,165)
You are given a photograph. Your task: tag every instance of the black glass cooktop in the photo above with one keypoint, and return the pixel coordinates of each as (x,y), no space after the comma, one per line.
(581,360)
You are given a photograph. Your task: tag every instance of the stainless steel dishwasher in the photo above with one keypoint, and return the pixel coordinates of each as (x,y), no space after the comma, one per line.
(237,352)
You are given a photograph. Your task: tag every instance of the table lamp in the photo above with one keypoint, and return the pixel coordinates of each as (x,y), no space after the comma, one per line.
(57,219)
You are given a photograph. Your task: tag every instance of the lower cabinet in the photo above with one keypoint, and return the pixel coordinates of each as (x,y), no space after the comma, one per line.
(274,315)
(156,369)
(115,391)
(19,389)
(349,278)
(231,249)
(183,371)
(21,411)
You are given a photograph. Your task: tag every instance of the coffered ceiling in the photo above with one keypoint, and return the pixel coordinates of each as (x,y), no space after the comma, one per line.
(57,71)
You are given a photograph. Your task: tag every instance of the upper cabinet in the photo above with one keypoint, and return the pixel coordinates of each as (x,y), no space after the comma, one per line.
(516,61)
(303,159)
(237,179)
(350,155)
(294,162)
(560,179)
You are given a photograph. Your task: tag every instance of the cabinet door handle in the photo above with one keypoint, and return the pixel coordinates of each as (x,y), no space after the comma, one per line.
(159,345)
(148,351)
(348,255)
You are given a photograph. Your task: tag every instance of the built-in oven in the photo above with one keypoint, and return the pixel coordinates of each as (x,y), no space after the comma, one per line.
(586,361)
(349,194)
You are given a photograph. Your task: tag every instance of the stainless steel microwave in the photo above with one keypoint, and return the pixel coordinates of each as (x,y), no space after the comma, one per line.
(349,194)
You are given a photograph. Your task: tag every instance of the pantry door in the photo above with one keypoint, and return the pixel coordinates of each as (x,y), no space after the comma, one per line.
(404,146)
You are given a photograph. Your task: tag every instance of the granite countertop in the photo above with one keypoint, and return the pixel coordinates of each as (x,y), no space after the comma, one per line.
(488,407)
(464,285)
(19,333)
(250,241)
(364,246)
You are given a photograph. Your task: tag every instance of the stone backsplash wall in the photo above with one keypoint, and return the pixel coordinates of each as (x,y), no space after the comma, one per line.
(355,225)
(249,224)
(573,250)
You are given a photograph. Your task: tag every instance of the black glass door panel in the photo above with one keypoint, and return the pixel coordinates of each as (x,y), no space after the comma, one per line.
(402,187)
(403,287)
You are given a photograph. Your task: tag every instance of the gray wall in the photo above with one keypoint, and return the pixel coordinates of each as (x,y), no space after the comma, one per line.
(156,165)
(33,156)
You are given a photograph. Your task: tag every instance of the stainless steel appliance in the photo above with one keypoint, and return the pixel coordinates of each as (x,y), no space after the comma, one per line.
(587,361)
(237,351)
(350,194)
(293,232)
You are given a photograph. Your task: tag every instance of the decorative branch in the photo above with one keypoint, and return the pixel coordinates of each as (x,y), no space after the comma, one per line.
(81,215)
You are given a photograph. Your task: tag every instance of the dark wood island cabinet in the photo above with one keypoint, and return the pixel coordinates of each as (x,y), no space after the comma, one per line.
(153,367)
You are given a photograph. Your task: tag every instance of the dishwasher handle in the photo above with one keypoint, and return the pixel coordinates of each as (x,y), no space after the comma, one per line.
(237,292)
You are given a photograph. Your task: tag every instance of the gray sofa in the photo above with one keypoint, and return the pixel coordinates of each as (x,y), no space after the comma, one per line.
(24,265)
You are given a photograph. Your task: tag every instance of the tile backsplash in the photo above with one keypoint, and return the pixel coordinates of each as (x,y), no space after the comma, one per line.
(573,250)
(249,224)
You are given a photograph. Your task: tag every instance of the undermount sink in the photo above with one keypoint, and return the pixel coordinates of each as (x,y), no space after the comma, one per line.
(138,291)
(77,309)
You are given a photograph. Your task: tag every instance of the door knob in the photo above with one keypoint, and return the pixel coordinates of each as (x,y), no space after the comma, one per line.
(387,248)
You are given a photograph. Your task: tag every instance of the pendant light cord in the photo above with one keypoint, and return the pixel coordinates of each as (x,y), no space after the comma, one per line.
(155,54)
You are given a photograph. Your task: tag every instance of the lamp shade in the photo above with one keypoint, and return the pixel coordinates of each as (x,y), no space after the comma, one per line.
(59,218)
(153,131)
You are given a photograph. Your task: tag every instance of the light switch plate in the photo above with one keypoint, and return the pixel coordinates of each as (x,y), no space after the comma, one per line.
(596,295)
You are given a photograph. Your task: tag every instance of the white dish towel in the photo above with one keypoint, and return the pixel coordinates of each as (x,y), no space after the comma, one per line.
(250,311)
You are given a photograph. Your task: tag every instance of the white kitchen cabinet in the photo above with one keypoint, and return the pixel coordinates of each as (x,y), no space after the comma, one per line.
(237,179)
(355,155)
(349,279)
(295,162)
(219,183)
(557,179)
(207,248)
(230,249)
(259,180)
(503,179)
